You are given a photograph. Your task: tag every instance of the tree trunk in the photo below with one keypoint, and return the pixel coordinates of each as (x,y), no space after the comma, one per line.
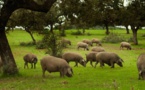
(9,65)
(83,30)
(61,30)
(135,37)
(134,30)
(107,29)
(34,41)
(127,29)
(27,30)
(51,28)
(60,26)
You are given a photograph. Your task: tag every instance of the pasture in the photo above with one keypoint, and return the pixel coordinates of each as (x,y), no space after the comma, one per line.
(86,78)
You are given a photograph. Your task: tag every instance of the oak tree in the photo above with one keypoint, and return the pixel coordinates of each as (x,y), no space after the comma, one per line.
(8,7)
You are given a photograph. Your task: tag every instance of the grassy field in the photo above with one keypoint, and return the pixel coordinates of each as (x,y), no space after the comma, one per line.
(86,78)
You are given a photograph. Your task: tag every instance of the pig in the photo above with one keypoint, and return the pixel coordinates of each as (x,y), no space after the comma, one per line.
(54,64)
(108,58)
(141,66)
(74,57)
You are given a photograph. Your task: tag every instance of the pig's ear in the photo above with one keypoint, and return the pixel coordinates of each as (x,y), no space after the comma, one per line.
(70,71)
(121,60)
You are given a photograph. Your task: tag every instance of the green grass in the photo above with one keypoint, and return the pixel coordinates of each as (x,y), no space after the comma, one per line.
(87,78)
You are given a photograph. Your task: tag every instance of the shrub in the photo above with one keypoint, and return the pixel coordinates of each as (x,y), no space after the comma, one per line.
(78,32)
(27,43)
(88,34)
(40,45)
(52,43)
(143,35)
(62,33)
(113,38)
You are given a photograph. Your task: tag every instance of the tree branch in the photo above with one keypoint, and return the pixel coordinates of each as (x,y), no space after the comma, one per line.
(44,6)
(12,5)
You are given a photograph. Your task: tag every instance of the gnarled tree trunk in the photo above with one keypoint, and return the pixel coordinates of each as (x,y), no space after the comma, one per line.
(9,65)
(134,30)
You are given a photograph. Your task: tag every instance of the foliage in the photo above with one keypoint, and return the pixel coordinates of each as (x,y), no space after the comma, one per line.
(143,35)
(113,38)
(53,44)
(76,12)
(62,33)
(78,32)
(27,43)
(40,45)
(136,18)
(31,22)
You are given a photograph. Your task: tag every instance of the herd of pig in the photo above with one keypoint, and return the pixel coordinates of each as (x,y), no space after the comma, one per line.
(97,55)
